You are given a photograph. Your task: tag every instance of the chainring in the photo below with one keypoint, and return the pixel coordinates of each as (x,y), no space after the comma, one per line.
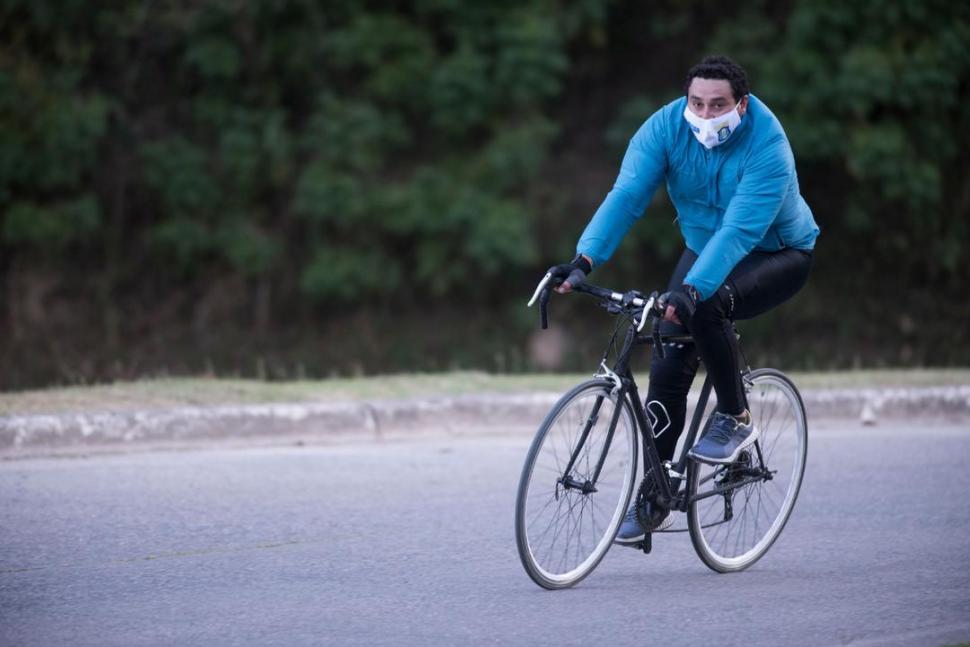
(647,493)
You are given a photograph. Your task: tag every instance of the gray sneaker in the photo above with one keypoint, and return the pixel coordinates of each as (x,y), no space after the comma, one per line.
(725,440)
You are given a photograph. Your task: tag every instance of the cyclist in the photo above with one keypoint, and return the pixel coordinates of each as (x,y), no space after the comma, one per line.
(749,239)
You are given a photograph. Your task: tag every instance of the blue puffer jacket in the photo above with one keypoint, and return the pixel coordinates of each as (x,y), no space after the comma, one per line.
(732,199)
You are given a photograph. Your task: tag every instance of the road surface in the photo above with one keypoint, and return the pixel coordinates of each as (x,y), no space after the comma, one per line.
(411,543)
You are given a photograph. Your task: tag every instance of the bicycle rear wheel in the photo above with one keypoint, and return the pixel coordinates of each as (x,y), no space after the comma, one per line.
(734,526)
(562,528)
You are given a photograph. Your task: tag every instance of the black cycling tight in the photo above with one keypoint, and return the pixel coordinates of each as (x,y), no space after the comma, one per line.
(761,281)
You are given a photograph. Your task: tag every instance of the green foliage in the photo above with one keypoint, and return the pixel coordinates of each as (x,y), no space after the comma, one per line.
(248,248)
(184,240)
(214,58)
(529,59)
(628,120)
(353,134)
(393,55)
(340,133)
(54,224)
(348,274)
(50,131)
(462,233)
(344,153)
(459,92)
(177,172)
(325,196)
(416,95)
(514,157)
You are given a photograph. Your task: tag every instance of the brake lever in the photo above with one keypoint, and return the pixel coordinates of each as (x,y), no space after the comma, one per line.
(647,307)
(542,284)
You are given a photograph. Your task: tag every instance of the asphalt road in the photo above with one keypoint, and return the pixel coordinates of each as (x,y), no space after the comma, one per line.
(411,543)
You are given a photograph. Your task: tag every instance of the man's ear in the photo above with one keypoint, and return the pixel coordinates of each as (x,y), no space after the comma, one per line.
(743,105)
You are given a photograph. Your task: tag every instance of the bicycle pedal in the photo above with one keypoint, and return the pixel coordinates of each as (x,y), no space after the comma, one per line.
(646,545)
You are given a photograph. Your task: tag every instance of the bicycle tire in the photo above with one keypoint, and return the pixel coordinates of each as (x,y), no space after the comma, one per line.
(559,538)
(726,529)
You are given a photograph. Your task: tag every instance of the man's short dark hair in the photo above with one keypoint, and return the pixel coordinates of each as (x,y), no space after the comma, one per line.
(720,67)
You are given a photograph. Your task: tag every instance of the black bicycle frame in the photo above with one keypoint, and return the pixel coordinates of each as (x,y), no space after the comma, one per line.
(652,463)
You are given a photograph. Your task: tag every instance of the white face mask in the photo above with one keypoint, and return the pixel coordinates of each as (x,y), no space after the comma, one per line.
(713,132)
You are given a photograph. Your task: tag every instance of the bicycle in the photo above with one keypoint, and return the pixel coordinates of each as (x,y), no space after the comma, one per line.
(580,470)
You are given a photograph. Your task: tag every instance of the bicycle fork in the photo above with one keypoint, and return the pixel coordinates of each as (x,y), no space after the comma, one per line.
(589,485)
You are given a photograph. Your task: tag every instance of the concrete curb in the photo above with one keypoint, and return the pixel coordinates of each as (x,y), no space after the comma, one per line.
(375,419)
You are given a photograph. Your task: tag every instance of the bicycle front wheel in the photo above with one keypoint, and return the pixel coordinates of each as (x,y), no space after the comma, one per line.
(738,510)
(566,516)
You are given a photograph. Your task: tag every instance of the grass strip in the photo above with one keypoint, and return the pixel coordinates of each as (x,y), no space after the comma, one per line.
(203,391)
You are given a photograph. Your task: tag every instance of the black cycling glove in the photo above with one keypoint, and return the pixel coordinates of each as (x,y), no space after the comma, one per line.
(575,271)
(684,300)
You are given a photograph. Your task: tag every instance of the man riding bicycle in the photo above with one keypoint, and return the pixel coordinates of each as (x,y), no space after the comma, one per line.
(749,238)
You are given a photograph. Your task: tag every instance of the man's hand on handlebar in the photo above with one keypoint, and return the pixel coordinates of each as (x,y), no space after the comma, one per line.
(671,315)
(573,279)
(568,275)
(678,305)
